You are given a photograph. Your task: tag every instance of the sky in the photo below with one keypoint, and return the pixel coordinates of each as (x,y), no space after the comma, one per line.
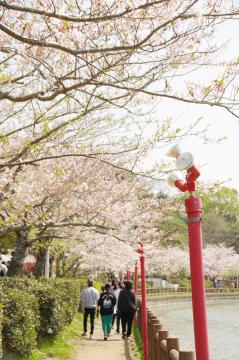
(218,162)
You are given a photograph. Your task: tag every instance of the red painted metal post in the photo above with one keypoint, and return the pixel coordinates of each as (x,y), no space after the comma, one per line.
(144,307)
(136,287)
(193,208)
(128,274)
(136,278)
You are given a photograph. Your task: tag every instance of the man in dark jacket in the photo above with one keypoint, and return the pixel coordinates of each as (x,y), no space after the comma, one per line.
(107,302)
(127,308)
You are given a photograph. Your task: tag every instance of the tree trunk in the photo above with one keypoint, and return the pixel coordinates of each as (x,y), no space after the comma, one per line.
(16,263)
(58,266)
(40,264)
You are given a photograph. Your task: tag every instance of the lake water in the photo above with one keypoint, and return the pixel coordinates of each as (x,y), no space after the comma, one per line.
(223,325)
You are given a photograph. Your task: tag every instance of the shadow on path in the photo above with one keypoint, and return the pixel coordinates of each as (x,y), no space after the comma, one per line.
(127,351)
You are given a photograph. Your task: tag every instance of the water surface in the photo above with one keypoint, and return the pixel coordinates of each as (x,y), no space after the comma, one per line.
(223,325)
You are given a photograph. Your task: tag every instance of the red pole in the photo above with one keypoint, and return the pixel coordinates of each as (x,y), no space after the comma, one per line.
(136,286)
(136,278)
(194,208)
(144,307)
(128,274)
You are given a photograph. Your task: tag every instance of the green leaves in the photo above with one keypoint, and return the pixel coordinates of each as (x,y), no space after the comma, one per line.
(35,308)
(20,321)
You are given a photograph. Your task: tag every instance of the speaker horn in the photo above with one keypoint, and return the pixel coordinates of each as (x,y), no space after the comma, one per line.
(174,151)
(175,181)
(184,161)
(171,179)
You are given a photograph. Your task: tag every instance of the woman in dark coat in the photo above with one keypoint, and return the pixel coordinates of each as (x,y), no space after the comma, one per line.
(127,308)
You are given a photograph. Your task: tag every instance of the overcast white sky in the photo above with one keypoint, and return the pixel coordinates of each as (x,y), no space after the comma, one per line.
(218,162)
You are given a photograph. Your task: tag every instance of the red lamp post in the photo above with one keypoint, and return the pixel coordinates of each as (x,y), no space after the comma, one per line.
(128,274)
(193,207)
(136,278)
(136,285)
(144,307)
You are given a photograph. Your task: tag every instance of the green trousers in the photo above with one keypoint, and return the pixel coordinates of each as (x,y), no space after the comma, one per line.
(106,323)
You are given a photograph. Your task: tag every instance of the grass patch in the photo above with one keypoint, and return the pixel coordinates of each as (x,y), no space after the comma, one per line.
(59,348)
(169,294)
(139,344)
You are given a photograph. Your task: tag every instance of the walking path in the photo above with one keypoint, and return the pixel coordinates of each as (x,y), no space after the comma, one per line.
(114,348)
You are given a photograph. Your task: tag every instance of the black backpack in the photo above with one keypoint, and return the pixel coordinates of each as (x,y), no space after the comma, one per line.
(107,301)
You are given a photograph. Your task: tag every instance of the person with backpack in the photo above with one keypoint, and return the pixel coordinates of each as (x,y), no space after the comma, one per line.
(106,303)
(127,308)
(89,301)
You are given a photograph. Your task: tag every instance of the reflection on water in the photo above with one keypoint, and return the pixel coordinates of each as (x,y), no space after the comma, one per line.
(223,325)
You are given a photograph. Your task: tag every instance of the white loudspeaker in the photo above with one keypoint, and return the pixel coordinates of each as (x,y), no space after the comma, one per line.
(174,151)
(172,178)
(184,161)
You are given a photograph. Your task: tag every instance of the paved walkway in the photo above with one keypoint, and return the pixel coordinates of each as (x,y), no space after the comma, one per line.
(114,348)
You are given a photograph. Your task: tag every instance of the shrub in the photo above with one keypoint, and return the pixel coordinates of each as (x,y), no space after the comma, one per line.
(51,310)
(20,321)
(33,309)
(70,297)
(208,283)
(1,321)
(185,282)
(21,283)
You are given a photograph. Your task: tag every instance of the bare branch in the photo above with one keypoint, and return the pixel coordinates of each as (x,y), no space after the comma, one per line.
(94,19)
(75,52)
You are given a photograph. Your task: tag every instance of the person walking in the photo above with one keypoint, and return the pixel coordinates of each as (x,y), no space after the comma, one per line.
(103,288)
(3,267)
(113,289)
(107,302)
(117,292)
(113,286)
(90,297)
(127,308)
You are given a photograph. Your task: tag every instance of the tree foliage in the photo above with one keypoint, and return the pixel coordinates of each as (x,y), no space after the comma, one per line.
(221,217)
(78,84)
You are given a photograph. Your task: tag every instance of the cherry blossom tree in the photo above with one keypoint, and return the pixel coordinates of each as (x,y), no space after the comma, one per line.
(100,254)
(64,62)
(218,260)
(166,260)
(74,199)
(100,50)
(76,79)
